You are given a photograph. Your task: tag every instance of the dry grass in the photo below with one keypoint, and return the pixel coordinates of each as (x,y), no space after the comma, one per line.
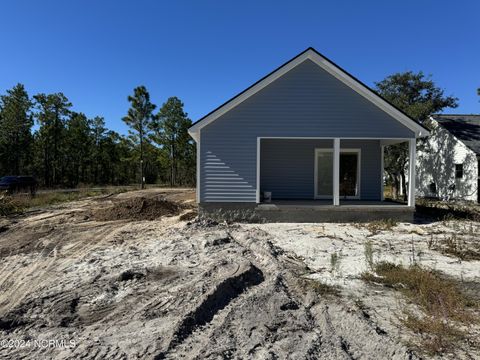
(445,310)
(9,206)
(462,242)
(377,226)
(438,336)
(16,204)
(335,263)
(320,288)
(458,247)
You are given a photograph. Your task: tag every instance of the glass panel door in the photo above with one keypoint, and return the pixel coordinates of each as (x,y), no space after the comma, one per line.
(324,174)
(348,174)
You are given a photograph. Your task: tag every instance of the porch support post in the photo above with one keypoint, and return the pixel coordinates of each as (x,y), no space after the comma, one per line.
(382,170)
(411,171)
(336,171)
(257,192)
(199,169)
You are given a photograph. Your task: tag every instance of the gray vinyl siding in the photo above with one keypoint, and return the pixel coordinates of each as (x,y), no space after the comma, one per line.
(305,102)
(287,167)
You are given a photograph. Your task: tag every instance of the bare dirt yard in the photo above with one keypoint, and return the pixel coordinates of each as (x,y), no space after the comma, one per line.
(137,275)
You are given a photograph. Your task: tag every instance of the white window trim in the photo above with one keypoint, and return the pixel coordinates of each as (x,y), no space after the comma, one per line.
(359,172)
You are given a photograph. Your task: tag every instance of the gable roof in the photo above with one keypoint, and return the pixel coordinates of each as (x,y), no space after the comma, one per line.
(330,67)
(465,128)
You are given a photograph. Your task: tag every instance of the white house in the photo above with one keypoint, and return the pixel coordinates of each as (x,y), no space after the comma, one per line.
(448,161)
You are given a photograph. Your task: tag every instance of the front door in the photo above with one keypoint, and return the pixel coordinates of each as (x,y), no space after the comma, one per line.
(349,173)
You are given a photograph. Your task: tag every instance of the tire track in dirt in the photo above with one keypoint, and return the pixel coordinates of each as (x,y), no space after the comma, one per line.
(226,291)
(163,289)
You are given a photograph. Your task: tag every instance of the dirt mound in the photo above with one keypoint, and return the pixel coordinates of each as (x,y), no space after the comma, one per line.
(188,216)
(138,209)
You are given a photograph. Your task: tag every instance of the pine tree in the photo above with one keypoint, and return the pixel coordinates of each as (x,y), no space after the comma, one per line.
(170,128)
(52,113)
(15,131)
(78,148)
(139,117)
(99,133)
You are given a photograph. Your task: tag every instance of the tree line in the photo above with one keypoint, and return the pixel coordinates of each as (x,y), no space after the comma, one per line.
(67,149)
(42,136)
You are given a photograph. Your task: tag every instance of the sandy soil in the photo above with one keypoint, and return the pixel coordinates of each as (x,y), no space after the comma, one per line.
(169,288)
(404,244)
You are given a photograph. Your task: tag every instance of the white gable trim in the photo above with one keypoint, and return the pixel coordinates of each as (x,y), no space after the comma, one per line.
(332,69)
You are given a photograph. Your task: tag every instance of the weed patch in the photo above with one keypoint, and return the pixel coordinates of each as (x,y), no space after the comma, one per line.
(377,226)
(438,336)
(445,309)
(335,263)
(456,246)
(320,288)
(18,203)
(9,206)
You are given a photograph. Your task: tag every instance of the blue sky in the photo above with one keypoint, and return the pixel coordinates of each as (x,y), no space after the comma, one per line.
(205,52)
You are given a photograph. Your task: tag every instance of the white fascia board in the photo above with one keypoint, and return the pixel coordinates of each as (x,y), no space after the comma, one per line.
(195,135)
(331,69)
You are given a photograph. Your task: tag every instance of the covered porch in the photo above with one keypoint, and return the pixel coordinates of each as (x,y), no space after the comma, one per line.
(315,173)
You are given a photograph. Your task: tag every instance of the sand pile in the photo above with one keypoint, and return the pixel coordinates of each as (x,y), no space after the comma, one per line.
(138,209)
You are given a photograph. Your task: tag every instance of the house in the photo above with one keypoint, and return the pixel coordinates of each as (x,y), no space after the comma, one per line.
(311,136)
(448,162)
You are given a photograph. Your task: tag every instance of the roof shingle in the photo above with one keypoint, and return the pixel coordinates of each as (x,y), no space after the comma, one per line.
(466,128)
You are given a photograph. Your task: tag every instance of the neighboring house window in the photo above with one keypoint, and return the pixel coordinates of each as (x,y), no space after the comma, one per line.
(458,171)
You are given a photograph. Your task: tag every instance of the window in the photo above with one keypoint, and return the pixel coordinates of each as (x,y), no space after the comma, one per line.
(458,171)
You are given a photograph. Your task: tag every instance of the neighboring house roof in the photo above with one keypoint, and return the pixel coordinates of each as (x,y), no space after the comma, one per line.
(465,128)
(330,67)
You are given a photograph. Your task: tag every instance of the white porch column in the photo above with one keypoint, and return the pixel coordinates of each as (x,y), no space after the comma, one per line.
(382,170)
(336,171)
(259,143)
(412,158)
(199,169)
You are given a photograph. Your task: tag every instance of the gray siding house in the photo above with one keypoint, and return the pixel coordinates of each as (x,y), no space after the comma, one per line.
(310,136)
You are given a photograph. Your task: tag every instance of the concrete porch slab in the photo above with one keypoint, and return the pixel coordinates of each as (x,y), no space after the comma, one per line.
(314,211)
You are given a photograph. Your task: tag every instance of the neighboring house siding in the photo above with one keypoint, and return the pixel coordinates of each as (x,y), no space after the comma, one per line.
(436,161)
(287,167)
(305,102)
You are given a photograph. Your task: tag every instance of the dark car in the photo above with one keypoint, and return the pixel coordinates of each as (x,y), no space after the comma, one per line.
(13,184)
